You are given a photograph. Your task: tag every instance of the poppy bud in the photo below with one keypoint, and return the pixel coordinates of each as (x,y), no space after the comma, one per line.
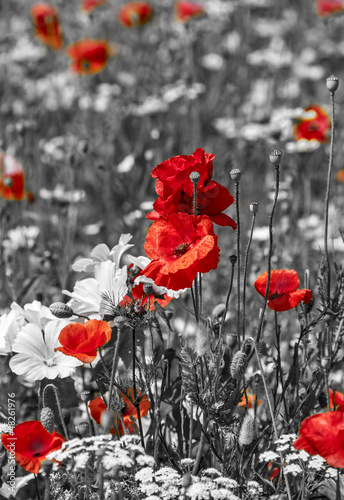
(48,419)
(238,365)
(275,157)
(233,259)
(254,205)
(235,174)
(61,310)
(332,83)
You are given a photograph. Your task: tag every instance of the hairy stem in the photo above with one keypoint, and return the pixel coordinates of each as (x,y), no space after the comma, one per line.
(245,276)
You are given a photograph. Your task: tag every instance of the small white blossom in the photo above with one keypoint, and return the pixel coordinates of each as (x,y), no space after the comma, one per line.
(254,488)
(268,456)
(283,447)
(197,491)
(293,469)
(331,473)
(226,482)
(317,463)
(286,438)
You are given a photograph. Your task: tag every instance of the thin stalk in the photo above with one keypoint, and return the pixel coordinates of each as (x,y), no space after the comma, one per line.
(201,445)
(271,413)
(271,218)
(136,404)
(327,198)
(245,276)
(59,408)
(101,392)
(194,177)
(233,261)
(114,365)
(238,242)
(37,489)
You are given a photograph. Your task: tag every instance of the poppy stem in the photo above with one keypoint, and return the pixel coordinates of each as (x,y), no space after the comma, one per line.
(275,158)
(201,444)
(95,378)
(58,404)
(233,260)
(327,198)
(136,404)
(114,364)
(37,488)
(253,220)
(238,242)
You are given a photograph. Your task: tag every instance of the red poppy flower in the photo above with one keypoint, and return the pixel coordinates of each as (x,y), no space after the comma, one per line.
(251,400)
(12,178)
(283,292)
(176,190)
(89,6)
(187,10)
(47,25)
(315,128)
(323,434)
(135,14)
(89,56)
(30,443)
(325,8)
(98,407)
(340,176)
(82,341)
(180,246)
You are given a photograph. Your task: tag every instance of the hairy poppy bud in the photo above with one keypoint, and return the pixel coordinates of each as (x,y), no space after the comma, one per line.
(61,310)
(48,419)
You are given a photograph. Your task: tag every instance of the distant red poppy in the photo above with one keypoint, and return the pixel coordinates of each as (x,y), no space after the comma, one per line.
(89,6)
(283,292)
(30,444)
(187,10)
(134,14)
(98,408)
(340,176)
(251,400)
(180,246)
(12,178)
(47,25)
(323,434)
(316,128)
(82,341)
(89,56)
(325,8)
(175,189)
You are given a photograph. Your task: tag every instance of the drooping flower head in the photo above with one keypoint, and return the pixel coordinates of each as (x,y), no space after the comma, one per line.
(98,408)
(187,10)
(175,189)
(12,178)
(283,290)
(89,6)
(180,246)
(36,358)
(47,26)
(316,127)
(134,14)
(82,341)
(31,443)
(326,8)
(323,434)
(89,56)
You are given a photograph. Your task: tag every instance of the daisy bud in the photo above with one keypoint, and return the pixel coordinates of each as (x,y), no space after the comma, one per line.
(85,396)
(186,480)
(48,419)
(332,83)
(238,365)
(246,434)
(275,157)
(194,178)
(254,207)
(61,310)
(235,174)
(233,259)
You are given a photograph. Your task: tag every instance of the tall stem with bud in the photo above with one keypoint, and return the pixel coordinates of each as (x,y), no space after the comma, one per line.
(254,211)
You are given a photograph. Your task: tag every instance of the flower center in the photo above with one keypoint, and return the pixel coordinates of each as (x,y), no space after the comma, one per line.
(275,296)
(49,362)
(180,250)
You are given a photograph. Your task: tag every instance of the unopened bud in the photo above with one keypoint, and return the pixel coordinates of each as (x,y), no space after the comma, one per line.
(246,434)
(48,419)
(238,365)
(195,177)
(61,310)
(332,83)
(169,313)
(235,174)
(254,205)
(275,157)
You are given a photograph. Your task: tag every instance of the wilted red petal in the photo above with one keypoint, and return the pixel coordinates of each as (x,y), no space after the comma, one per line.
(82,341)
(325,8)
(47,25)
(89,6)
(187,10)
(134,14)
(89,56)
(31,443)
(323,434)
(316,128)
(12,178)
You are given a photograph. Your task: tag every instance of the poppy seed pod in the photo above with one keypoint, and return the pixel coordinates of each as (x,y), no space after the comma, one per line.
(235,174)
(275,157)
(48,419)
(254,205)
(233,259)
(61,310)
(332,83)
(195,177)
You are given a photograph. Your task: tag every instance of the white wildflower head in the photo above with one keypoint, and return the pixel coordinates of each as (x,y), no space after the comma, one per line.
(293,469)
(268,456)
